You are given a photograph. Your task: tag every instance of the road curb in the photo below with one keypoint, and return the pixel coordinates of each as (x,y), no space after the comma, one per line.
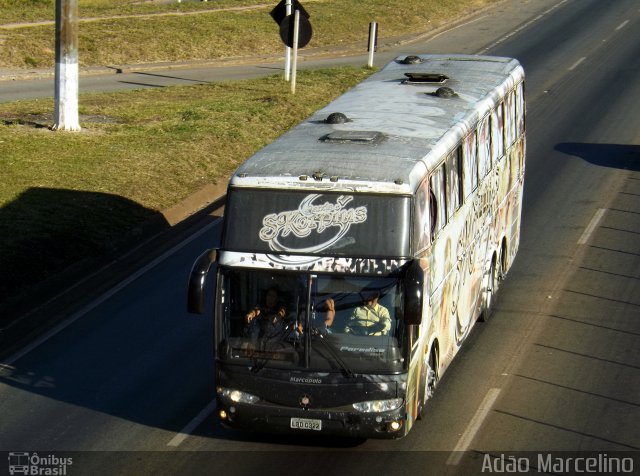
(195,202)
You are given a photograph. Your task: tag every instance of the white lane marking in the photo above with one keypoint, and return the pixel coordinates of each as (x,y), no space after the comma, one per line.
(577,63)
(592,226)
(622,25)
(473,426)
(193,424)
(101,299)
(517,30)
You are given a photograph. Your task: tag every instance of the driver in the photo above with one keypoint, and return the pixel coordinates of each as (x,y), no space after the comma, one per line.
(369,319)
(266,320)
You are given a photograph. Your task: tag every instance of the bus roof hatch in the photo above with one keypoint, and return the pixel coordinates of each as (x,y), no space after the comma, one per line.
(354,137)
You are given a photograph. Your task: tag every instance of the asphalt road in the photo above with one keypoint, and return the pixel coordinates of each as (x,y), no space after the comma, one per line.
(127,379)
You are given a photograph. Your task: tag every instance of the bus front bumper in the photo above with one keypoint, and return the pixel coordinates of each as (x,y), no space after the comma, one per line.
(313,422)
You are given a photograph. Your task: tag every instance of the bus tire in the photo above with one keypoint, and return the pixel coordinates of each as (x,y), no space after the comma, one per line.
(492,283)
(430,381)
(432,373)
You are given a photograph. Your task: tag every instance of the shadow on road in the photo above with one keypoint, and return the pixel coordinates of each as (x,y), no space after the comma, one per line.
(620,156)
(50,238)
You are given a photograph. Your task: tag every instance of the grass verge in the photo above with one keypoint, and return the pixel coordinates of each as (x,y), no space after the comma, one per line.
(205,30)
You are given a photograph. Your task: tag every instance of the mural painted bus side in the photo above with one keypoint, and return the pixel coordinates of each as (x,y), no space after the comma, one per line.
(360,248)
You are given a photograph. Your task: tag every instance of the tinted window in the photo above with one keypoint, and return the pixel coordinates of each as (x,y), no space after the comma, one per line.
(296,329)
(497,137)
(470,169)
(520,107)
(484,147)
(510,119)
(422,218)
(439,208)
(453,182)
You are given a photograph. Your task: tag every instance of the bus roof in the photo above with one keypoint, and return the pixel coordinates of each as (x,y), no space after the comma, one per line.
(397,127)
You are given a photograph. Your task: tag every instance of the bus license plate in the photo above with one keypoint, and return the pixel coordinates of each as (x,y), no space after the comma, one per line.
(306,424)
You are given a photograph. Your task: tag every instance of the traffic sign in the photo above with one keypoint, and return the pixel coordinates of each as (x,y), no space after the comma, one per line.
(304,33)
(279,13)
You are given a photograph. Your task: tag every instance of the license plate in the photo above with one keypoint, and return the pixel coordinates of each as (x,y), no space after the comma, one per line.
(306,424)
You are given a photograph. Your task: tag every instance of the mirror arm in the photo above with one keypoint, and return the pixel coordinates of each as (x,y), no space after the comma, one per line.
(198,279)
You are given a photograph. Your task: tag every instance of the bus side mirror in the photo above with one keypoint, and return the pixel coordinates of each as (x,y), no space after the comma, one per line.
(198,279)
(414,286)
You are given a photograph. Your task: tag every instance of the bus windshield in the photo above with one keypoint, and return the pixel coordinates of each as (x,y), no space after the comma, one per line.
(313,322)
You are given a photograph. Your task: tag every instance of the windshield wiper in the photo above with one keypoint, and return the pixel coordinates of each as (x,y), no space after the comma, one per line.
(343,365)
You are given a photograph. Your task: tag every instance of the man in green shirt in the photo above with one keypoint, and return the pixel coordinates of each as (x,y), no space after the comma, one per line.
(370,319)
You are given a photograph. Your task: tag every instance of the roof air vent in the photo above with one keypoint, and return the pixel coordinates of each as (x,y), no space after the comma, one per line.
(412,59)
(336,118)
(445,93)
(425,78)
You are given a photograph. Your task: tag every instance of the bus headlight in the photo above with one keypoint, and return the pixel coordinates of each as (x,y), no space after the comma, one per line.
(377,406)
(237,396)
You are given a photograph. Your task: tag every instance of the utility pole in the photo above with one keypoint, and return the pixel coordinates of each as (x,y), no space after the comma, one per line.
(65,117)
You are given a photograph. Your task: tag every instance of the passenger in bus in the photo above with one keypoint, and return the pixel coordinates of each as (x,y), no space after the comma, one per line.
(370,319)
(330,314)
(327,314)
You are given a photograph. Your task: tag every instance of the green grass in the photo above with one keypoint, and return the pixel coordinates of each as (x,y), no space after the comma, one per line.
(191,135)
(21,11)
(212,33)
(72,197)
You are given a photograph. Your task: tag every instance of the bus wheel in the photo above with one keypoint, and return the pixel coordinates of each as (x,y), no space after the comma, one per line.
(430,381)
(432,374)
(492,283)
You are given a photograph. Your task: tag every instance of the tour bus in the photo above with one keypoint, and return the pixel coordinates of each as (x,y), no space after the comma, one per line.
(379,229)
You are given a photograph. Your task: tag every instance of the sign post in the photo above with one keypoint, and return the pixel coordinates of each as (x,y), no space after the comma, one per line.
(296,37)
(295,32)
(373,42)
(287,49)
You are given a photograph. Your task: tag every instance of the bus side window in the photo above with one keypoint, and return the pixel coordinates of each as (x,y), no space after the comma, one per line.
(520,108)
(510,119)
(454,189)
(438,201)
(497,137)
(423,221)
(470,165)
(484,147)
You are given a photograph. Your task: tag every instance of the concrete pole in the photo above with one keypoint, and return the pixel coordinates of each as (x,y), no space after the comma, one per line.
(287,50)
(65,117)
